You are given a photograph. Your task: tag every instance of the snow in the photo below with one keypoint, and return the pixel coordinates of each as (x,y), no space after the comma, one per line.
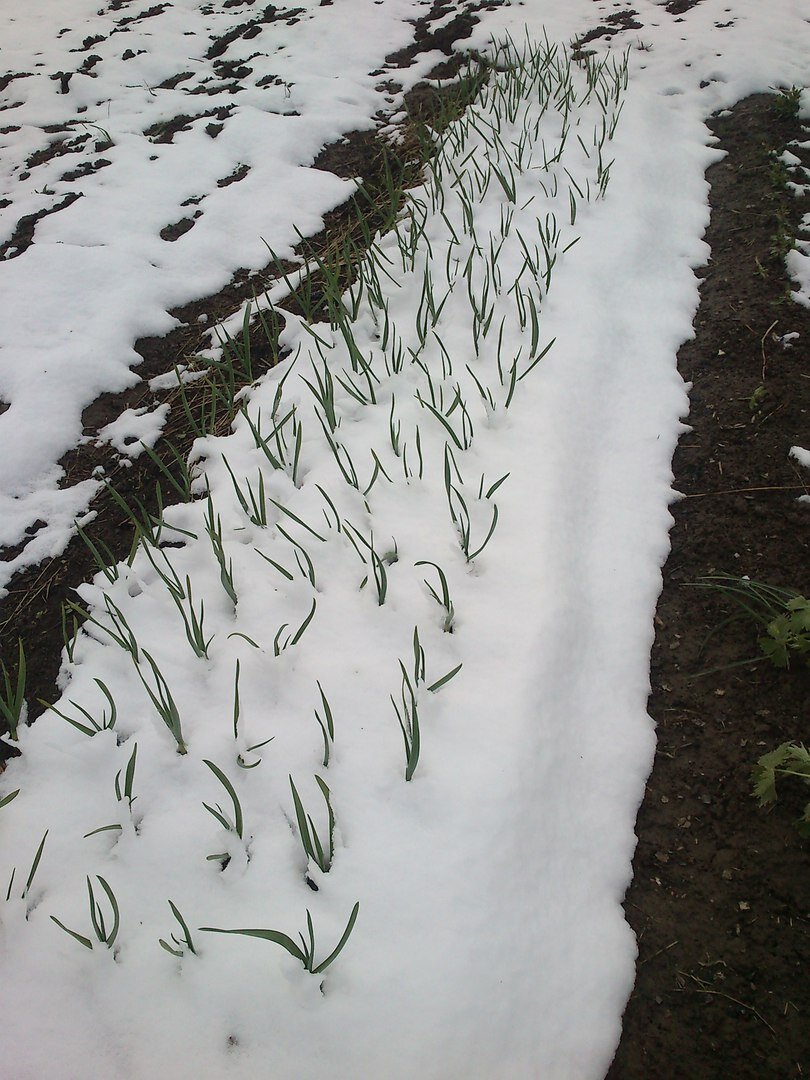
(802,456)
(135,430)
(490,939)
(99,275)
(797,262)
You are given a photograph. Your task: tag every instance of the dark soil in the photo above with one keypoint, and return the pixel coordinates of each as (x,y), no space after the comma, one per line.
(23,235)
(679,7)
(614,24)
(426,39)
(720,898)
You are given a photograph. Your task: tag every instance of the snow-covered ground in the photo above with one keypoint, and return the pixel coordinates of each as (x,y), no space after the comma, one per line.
(483,821)
(99,275)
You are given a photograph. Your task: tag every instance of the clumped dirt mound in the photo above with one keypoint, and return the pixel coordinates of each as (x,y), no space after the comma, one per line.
(720,895)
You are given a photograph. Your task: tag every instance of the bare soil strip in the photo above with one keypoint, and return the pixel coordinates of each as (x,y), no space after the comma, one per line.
(720,896)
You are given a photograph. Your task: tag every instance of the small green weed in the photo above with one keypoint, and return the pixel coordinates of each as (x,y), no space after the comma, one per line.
(782,240)
(787,100)
(757,398)
(778,175)
(788,633)
(789,759)
(783,615)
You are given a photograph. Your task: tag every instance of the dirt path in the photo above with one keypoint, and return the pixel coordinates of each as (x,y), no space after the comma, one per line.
(720,896)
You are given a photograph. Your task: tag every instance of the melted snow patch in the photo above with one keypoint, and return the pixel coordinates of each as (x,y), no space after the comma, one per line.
(135,430)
